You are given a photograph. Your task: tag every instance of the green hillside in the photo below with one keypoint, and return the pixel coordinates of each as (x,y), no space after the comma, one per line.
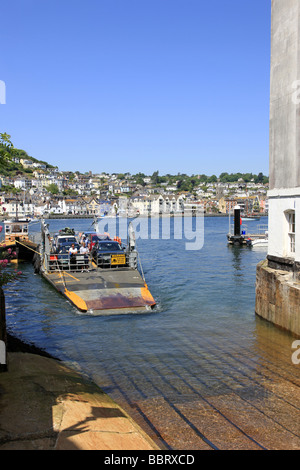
(8,152)
(183,182)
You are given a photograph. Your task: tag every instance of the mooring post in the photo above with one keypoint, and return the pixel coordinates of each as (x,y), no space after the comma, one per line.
(237,220)
(3,335)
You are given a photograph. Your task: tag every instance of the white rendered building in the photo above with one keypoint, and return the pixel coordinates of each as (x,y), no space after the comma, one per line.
(284,193)
(278,277)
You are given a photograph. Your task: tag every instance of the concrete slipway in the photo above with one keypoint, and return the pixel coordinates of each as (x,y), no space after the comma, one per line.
(46,406)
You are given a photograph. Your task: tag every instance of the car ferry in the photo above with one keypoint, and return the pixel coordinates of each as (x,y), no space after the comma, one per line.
(105,281)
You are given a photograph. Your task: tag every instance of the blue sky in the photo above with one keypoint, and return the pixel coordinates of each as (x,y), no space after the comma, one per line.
(138,85)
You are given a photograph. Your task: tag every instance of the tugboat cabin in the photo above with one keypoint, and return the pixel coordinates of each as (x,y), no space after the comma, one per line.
(16,231)
(16,237)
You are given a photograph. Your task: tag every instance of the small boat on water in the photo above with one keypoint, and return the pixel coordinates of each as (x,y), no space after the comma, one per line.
(262,242)
(258,242)
(249,217)
(106,280)
(16,238)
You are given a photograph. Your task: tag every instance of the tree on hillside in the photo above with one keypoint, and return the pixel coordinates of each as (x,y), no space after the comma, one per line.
(53,188)
(203,178)
(259,178)
(139,178)
(5,140)
(154,177)
(212,179)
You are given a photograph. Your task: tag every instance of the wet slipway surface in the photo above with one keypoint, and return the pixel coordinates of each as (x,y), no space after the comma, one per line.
(200,371)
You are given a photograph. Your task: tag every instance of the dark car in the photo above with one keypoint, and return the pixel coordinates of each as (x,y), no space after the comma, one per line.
(92,238)
(108,253)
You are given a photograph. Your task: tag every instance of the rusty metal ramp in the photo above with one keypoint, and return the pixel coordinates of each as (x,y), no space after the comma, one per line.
(104,292)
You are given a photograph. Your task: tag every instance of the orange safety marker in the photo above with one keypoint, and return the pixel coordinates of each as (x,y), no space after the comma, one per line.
(76,300)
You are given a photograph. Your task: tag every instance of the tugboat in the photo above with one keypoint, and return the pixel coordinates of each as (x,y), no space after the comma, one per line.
(16,237)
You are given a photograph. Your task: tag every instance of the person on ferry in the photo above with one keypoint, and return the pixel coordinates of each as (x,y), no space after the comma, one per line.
(72,253)
(85,251)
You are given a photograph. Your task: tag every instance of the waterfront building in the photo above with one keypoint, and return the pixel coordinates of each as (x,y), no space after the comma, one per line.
(13,207)
(278,286)
(158,204)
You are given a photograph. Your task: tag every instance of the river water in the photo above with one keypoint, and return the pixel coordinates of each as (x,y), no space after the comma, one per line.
(201,371)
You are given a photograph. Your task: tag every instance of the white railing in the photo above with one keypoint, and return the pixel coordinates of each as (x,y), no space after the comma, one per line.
(79,262)
(61,262)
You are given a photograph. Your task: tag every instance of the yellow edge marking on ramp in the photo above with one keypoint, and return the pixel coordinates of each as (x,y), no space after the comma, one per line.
(146,294)
(73,277)
(76,300)
(60,273)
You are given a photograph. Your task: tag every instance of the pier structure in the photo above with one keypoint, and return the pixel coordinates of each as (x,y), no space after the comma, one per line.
(236,238)
(238,233)
(278,277)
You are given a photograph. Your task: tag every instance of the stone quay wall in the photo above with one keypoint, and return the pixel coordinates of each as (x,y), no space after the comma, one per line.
(278,297)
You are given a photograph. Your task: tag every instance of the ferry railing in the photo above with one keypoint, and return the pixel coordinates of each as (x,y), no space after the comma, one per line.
(260,231)
(141,267)
(262,228)
(80,262)
(64,262)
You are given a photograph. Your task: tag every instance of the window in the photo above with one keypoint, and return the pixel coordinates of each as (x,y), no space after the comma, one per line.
(291,232)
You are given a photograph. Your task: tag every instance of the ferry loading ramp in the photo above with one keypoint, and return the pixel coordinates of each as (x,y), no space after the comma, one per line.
(103,291)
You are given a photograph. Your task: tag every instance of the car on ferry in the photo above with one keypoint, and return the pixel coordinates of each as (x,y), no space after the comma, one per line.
(92,238)
(60,258)
(64,237)
(65,240)
(109,254)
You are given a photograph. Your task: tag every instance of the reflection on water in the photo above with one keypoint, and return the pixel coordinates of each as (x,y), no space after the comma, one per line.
(237,260)
(199,372)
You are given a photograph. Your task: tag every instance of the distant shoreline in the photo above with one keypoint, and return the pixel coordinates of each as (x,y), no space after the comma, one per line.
(134,216)
(142,215)
(91,217)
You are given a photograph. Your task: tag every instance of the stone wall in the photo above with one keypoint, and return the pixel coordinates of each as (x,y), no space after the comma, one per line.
(3,335)
(278,297)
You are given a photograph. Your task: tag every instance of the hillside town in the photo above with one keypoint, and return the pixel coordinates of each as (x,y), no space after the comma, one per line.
(44,195)
(32,188)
